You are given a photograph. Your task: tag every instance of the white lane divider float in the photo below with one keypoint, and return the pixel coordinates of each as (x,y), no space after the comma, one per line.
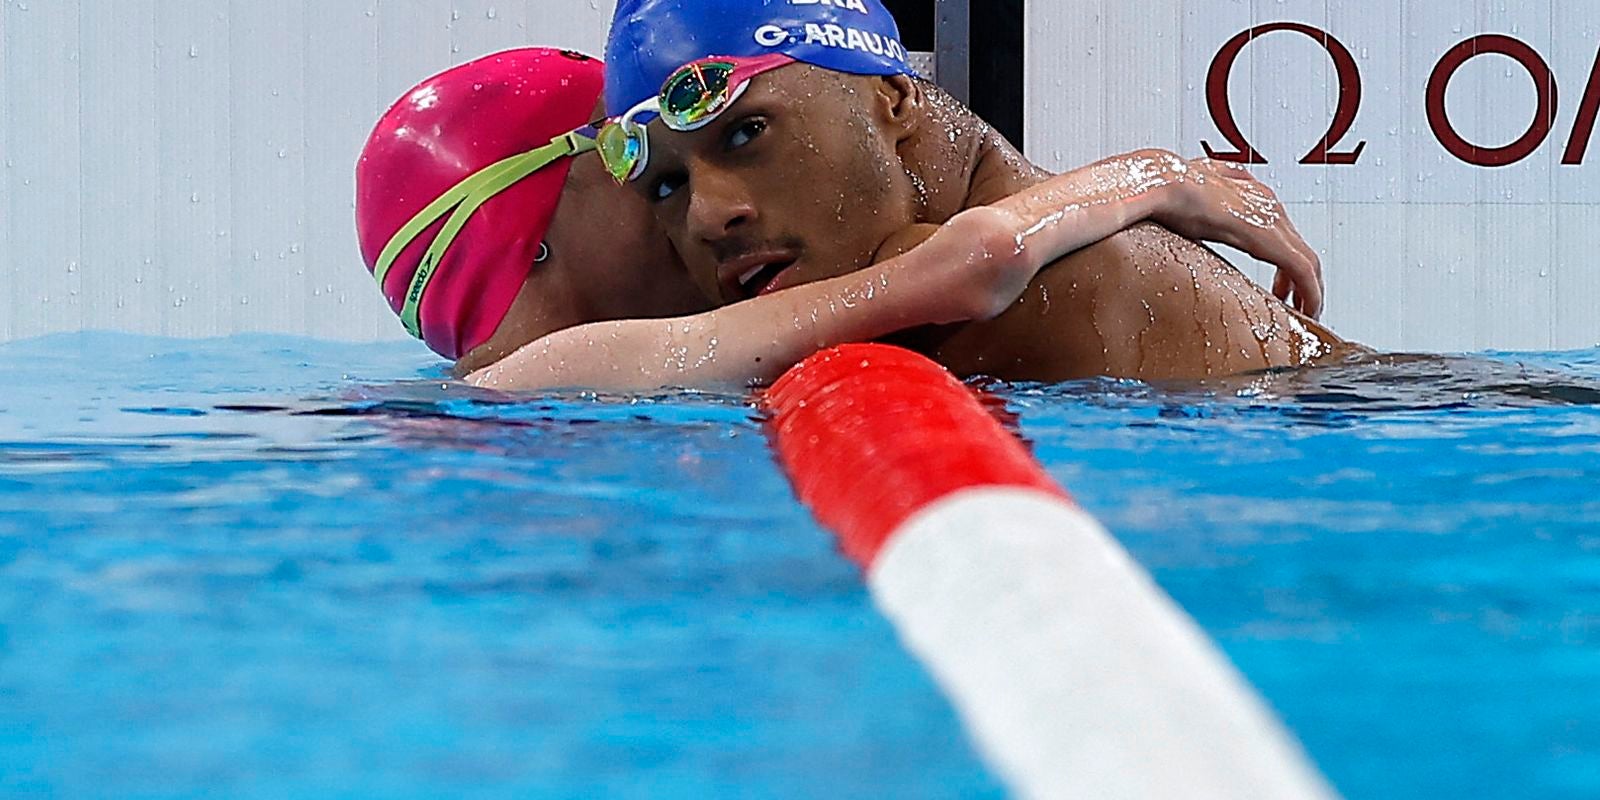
(1075,674)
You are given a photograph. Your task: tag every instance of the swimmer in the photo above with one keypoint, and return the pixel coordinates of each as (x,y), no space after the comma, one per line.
(542,273)
(781,144)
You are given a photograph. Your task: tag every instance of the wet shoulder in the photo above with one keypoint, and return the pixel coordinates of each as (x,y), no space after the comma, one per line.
(999,172)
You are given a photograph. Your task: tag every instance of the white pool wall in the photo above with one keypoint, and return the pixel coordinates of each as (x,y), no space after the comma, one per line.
(185,167)
(1422,250)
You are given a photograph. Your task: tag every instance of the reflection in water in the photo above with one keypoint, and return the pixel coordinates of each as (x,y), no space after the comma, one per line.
(1363,384)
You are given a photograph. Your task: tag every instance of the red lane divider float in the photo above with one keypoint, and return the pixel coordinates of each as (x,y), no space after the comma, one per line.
(885,412)
(1074,673)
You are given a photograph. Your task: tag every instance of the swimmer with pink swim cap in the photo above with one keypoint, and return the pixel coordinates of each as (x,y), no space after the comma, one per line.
(480,174)
(500,241)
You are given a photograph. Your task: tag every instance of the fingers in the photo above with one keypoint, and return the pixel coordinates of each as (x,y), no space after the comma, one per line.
(1300,267)
(1311,299)
(1254,220)
(1310,288)
(1301,271)
(1281,283)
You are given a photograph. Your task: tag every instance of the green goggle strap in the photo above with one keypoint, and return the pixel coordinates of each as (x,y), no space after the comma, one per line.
(460,201)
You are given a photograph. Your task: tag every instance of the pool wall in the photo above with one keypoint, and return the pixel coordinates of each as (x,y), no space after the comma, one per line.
(1424,249)
(184,167)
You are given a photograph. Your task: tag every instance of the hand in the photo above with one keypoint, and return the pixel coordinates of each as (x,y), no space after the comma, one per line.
(1222,202)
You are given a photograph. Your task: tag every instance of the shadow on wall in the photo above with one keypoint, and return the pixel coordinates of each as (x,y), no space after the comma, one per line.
(997,53)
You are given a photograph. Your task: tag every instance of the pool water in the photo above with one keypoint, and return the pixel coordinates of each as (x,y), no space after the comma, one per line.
(1403,558)
(259,567)
(273,566)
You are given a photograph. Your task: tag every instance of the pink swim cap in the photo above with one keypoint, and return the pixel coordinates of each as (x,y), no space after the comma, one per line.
(451,127)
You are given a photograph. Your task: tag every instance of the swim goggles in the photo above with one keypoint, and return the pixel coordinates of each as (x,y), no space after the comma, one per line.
(690,99)
(460,201)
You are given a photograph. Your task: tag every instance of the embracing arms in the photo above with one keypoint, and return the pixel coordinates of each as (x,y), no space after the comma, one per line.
(972,267)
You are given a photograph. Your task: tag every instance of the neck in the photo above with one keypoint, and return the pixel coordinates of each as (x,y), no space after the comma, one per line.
(533,314)
(959,161)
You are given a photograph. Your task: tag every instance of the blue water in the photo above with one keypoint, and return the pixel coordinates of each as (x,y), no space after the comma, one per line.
(259,567)
(263,566)
(1404,559)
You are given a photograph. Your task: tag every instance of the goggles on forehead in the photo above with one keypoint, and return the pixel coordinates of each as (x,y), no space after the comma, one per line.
(460,201)
(690,99)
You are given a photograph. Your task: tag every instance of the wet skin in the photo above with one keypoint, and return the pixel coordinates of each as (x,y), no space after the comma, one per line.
(813,174)
(608,260)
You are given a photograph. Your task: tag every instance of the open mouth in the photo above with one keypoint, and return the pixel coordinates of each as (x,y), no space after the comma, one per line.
(759,279)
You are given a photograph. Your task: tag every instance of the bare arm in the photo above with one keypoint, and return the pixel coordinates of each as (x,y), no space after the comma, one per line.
(970,270)
(972,267)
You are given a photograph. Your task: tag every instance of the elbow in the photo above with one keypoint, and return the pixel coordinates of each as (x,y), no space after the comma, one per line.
(991,235)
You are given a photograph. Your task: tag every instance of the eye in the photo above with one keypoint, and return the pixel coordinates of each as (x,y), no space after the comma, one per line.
(665,186)
(745,131)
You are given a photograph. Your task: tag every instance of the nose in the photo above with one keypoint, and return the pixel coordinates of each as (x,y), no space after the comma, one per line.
(719,204)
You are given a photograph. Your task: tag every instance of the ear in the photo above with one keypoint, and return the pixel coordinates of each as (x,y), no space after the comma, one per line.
(899,104)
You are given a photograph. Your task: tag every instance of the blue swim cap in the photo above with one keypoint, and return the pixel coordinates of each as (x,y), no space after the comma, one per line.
(650,39)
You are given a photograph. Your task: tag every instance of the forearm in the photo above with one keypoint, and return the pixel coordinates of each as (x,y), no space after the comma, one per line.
(1202,199)
(973,267)
(1075,209)
(753,340)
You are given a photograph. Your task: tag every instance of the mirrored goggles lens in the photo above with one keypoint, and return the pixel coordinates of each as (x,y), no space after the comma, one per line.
(695,94)
(622,148)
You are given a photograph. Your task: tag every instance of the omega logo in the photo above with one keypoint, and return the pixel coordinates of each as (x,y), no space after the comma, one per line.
(1348,74)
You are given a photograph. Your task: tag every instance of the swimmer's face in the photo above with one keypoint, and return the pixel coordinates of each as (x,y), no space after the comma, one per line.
(608,259)
(797,181)
(606,246)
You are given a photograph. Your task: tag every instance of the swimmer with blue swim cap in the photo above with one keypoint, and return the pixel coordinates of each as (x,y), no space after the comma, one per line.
(782,142)
(496,236)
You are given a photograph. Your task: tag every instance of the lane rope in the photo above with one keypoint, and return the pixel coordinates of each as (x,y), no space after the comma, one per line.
(1075,675)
